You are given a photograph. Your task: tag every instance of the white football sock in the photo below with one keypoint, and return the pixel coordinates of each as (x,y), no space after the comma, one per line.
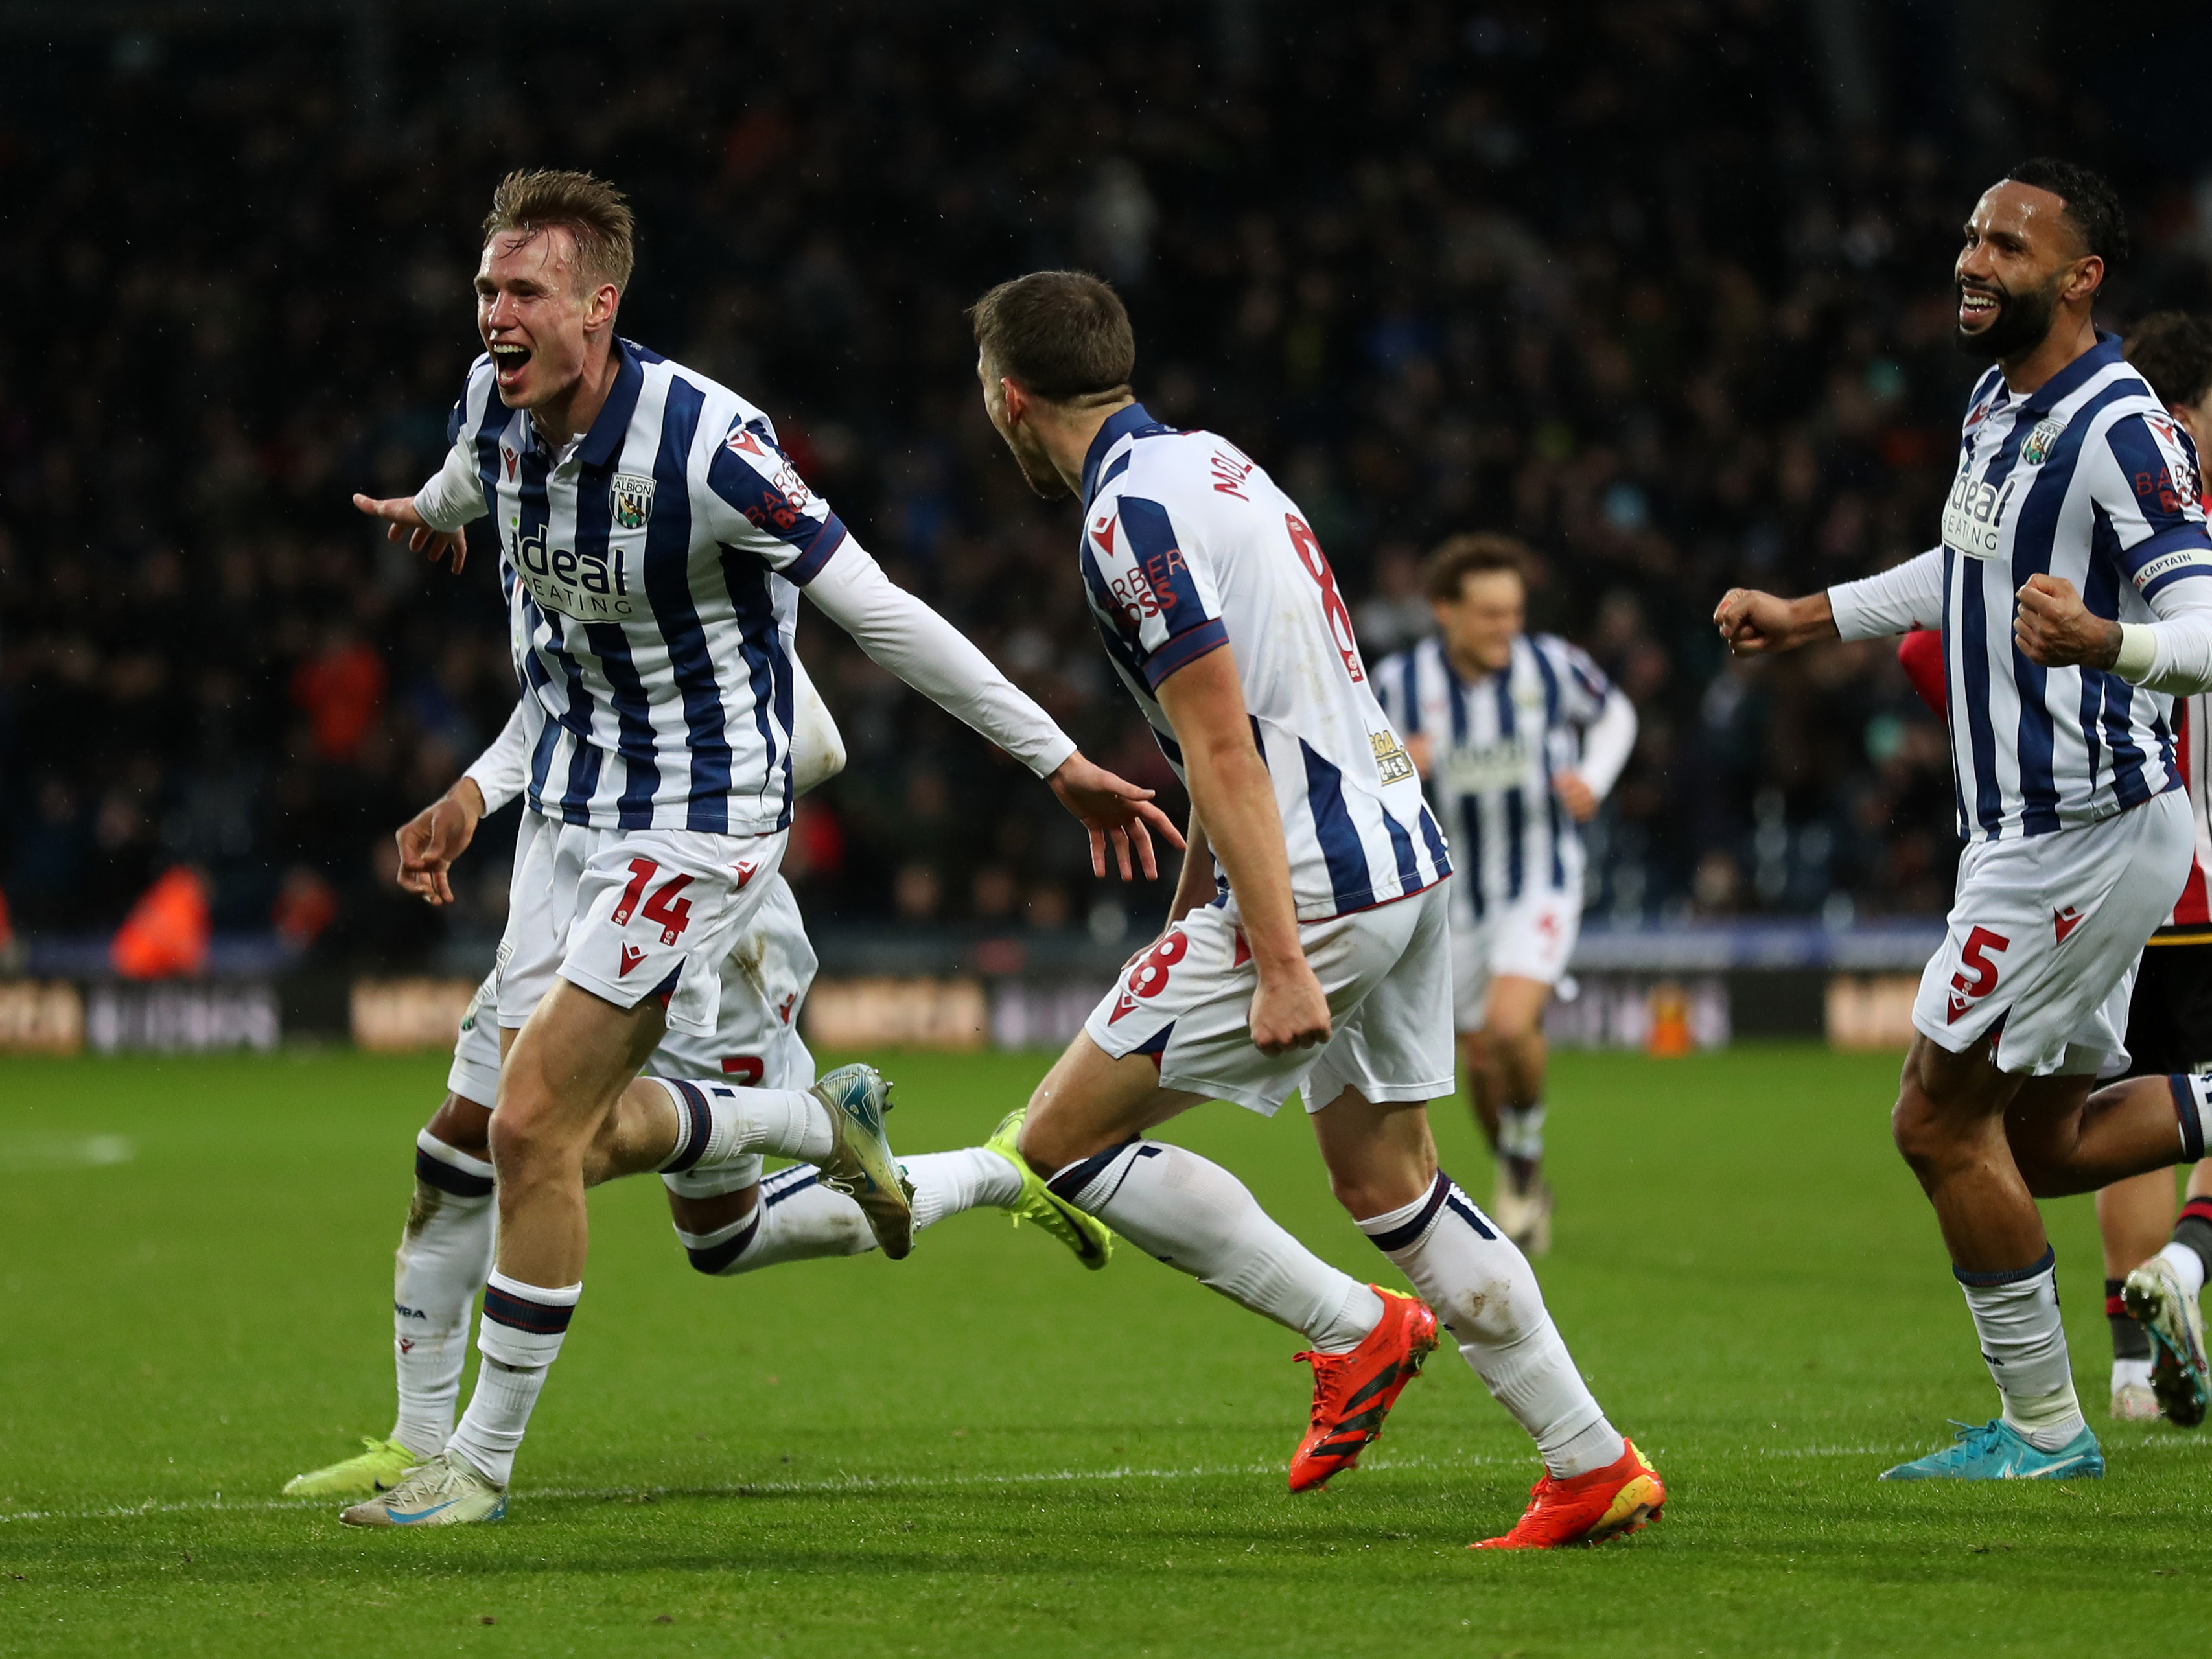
(445,1251)
(2188,1268)
(795,1217)
(1521,1132)
(1484,1293)
(2126,1371)
(718,1121)
(946,1183)
(519,1338)
(2016,1318)
(1197,1217)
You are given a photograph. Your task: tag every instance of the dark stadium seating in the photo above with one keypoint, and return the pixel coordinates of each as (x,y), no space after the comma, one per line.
(1428,264)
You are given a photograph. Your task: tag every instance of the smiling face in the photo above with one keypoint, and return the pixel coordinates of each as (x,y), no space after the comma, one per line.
(1480,626)
(537,317)
(2020,257)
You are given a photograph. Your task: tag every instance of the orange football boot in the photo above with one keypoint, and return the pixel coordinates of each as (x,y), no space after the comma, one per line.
(1621,1497)
(1353,1392)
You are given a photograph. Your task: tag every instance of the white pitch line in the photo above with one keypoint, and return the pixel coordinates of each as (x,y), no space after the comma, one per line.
(851,1484)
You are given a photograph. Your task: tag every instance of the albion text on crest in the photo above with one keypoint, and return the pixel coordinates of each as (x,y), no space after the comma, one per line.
(631,497)
(2041,441)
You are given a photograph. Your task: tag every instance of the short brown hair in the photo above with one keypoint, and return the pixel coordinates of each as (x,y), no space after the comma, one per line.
(2172,351)
(1473,554)
(595,213)
(1059,335)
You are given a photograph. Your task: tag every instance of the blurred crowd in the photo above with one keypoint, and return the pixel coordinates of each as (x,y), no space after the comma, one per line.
(1619,283)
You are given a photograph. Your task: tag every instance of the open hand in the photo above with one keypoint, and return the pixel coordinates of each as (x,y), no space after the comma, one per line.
(398,513)
(1113,809)
(2054,629)
(431,840)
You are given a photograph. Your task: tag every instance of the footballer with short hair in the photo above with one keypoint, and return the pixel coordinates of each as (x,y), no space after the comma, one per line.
(654,541)
(1519,738)
(1307,946)
(2072,588)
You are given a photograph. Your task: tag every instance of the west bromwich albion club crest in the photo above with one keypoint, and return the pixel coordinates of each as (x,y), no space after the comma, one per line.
(631,495)
(2041,443)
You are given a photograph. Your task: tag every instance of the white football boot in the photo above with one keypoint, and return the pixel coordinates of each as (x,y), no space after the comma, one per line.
(445,1491)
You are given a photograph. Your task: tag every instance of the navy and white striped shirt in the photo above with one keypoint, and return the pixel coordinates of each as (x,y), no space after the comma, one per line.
(1494,745)
(1188,546)
(2085,478)
(652,569)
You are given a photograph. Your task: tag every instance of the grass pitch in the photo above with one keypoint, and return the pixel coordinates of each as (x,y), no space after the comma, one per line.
(986,1450)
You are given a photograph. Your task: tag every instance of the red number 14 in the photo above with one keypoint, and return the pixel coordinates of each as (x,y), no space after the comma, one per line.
(673,914)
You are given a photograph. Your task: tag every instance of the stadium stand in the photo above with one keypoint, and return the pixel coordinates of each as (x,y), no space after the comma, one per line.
(1422,263)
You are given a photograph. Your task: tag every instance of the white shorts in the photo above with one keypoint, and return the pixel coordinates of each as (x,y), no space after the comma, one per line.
(629,913)
(755,1040)
(1531,938)
(2044,935)
(1387,973)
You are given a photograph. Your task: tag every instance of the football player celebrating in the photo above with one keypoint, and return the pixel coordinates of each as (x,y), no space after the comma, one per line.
(1307,948)
(728,1219)
(1520,738)
(654,540)
(2073,591)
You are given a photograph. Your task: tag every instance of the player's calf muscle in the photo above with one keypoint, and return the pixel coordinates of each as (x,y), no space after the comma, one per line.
(2082,1141)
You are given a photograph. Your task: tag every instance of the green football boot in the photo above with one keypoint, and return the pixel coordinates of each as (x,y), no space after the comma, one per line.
(1090,1239)
(382,1465)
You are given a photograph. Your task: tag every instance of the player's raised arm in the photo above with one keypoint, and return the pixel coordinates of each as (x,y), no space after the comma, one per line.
(758,500)
(434,517)
(1896,601)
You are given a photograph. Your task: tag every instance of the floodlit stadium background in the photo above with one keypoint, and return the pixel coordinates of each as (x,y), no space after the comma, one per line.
(1661,288)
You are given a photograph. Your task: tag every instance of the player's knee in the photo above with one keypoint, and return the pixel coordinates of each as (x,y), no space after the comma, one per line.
(463,1125)
(1048,1147)
(1512,1026)
(1921,1132)
(522,1138)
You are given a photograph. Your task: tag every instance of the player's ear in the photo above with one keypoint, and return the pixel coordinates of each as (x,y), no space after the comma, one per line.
(2089,276)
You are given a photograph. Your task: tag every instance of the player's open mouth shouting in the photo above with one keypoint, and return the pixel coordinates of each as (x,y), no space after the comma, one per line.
(509,359)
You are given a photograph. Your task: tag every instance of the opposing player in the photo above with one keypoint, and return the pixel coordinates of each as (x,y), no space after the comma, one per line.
(1307,944)
(2071,587)
(728,1219)
(2153,1264)
(657,538)
(1519,738)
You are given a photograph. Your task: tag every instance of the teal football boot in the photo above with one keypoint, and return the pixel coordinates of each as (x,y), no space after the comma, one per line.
(1994,1450)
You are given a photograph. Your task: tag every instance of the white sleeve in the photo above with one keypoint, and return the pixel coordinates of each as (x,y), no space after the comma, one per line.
(501,769)
(818,748)
(1899,600)
(2174,653)
(1607,742)
(913,642)
(454,496)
